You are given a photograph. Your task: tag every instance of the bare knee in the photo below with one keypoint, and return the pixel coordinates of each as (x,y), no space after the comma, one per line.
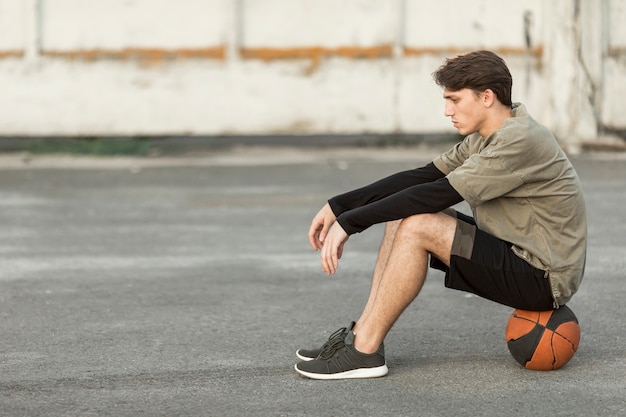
(420,225)
(432,232)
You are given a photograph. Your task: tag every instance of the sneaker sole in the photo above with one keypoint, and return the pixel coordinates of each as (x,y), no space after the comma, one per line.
(355,373)
(303,358)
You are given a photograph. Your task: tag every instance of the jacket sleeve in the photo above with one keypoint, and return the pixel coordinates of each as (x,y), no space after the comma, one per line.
(384,188)
(429,197)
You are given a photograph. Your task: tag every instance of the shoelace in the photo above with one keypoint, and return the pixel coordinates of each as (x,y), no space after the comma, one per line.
(334,342)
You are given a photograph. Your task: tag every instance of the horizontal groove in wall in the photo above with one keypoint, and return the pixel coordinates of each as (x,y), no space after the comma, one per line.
(314,53)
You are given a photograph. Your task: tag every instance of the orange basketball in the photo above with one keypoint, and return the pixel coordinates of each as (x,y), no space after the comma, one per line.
(543,340)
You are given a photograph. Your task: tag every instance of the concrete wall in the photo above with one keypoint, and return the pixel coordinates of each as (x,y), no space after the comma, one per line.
(198,67)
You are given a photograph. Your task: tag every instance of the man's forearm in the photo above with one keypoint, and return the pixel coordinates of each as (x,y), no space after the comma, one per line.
(384,188)
(431,197)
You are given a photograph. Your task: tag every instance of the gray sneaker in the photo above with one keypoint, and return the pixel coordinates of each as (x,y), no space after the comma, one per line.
(341,360)
(310,354)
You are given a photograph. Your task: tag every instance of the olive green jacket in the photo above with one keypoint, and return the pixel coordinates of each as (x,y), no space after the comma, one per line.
(522,189)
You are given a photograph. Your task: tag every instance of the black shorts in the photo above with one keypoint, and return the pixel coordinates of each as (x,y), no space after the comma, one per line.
(487,266)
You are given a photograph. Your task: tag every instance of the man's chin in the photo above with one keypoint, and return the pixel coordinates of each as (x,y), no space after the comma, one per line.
(464,132)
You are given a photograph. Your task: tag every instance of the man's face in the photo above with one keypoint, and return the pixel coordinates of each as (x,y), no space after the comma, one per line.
(465,109)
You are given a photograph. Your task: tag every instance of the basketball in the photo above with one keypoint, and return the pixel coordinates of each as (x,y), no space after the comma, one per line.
(543,340)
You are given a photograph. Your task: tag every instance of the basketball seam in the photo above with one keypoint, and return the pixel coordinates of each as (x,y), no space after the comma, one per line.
(565,338)
(553,351)
(528,320)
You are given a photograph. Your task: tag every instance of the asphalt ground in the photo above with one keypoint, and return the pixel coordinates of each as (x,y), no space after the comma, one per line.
(183,286)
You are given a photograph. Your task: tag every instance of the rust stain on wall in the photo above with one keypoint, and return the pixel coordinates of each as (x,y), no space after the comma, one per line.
(536,51)
(145,54)
(314,54)
(12,54)
(616,52)
(317,52)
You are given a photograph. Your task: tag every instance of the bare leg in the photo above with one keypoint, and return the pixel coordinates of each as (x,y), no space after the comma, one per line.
(381,262)
(400,272)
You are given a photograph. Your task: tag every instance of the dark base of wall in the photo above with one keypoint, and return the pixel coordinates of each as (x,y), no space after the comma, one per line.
(150,145)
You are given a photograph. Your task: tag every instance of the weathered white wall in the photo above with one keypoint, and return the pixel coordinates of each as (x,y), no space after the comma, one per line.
(613,83)
(117,24)
(12,33)
(158,67)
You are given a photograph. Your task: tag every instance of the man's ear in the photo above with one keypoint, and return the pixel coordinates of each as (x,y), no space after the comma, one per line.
(488,97)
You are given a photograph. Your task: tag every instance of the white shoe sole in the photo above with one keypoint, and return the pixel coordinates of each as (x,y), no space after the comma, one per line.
(303,358)
(355,373)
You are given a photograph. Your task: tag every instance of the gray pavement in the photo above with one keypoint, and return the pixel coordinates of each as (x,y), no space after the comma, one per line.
(182,287)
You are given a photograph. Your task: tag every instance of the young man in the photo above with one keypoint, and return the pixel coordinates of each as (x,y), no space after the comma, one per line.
(524,246)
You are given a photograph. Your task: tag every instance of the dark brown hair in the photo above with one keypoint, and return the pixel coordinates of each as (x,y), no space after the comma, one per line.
(478,71)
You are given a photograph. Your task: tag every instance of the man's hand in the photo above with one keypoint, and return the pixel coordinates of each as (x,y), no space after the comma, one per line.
(333,248)
(320,225)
